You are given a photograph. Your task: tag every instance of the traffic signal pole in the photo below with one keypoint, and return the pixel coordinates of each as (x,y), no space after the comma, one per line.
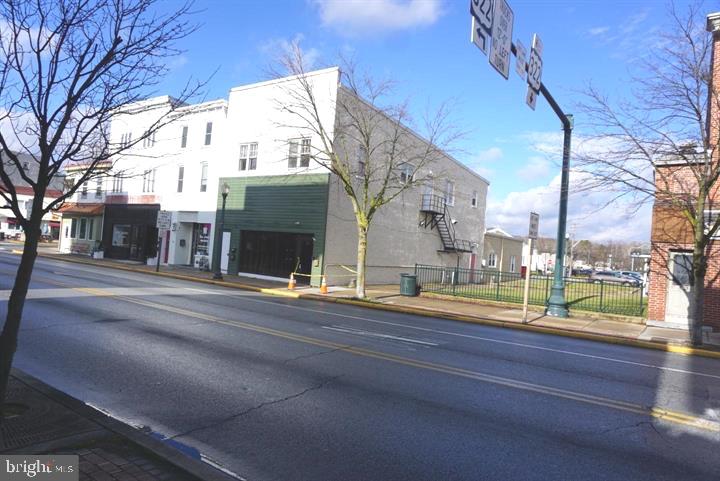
(557,305)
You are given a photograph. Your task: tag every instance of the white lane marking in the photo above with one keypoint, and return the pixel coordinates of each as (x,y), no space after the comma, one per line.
(252,297)
(360,332)
(487,339)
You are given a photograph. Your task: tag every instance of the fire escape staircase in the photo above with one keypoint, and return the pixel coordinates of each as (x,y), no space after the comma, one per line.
(437,216)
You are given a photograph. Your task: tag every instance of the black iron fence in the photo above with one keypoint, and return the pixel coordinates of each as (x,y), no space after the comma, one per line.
(599,296)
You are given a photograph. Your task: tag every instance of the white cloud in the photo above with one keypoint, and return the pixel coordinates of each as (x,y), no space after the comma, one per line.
(536,168)
(353,17)
(489,155)
(480,162)
(277,47)
(595,31)
(588,213)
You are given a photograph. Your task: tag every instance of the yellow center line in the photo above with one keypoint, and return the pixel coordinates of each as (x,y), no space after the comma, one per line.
(651,411)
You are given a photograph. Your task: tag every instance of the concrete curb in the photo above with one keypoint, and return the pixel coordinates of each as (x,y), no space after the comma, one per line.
(487,321)
(170,455)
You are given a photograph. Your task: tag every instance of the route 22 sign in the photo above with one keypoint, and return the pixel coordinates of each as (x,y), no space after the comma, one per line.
(482,20)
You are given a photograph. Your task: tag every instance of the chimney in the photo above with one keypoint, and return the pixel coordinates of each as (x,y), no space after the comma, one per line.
(713,120)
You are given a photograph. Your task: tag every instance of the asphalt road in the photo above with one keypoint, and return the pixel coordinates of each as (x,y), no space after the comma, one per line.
(282,389)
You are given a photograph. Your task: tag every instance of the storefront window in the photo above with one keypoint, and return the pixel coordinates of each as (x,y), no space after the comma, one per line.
(121,235)
(73,228)
(83,228)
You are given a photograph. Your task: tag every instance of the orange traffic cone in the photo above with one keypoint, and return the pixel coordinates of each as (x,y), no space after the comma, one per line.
(323,286)
(292,282)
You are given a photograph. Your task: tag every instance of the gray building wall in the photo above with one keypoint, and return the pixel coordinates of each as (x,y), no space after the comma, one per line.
(397,240)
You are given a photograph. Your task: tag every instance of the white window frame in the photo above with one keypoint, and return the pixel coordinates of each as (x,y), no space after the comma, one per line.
(184,137)
(117,184)
(149,140)
(180,178)
(203,176)
(125,139)
(98,187)
(84,190)
(208,133)
(513,263)
(299,149)
(449,192)
(711,216)
(492,260)
(407,173)
(248,156)
(149,181)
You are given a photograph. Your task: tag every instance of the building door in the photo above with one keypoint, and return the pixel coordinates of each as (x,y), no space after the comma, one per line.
(137,242)
(225,252)
(679,289)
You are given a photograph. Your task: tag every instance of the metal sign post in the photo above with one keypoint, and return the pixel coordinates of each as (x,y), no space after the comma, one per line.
(163,222)
(532,235)
(485,15)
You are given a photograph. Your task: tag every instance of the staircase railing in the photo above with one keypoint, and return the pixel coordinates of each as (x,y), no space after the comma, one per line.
(436,204)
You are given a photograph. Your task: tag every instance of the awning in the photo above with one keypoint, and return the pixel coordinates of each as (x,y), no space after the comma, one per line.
(82,209)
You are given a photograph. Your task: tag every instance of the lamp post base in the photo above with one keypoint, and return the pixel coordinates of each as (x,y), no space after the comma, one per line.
(557,306)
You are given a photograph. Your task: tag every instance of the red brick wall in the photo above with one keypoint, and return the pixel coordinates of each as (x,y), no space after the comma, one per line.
(670,232)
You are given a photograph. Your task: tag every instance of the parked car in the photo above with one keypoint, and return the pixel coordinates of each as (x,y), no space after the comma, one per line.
(615,277)
(581,272)
(635,275)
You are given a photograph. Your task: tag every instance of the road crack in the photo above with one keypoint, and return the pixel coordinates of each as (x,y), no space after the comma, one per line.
(244,412)
(320,353)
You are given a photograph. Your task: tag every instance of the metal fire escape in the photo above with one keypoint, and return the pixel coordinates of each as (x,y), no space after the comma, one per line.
(438,216)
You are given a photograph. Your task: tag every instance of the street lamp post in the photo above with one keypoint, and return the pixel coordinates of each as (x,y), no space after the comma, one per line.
(218,243)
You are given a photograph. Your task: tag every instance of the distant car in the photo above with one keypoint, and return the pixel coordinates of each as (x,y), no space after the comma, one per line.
(633,274)
(581,272)
(615,277)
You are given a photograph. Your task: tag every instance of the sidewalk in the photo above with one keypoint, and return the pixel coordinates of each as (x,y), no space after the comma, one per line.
(42,420)
(594,326)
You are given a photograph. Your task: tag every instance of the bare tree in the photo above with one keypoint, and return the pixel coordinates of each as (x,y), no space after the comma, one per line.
(661,146)
(370,148)
(66,69)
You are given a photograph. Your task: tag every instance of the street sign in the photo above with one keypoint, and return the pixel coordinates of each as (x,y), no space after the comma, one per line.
(478,36)
(534,225)
(164,220)
(502,27)
(482,10)
(535,64)
(531,97)
(520,59)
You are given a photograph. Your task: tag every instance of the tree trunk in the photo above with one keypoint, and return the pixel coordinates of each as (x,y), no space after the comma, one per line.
(696,310)
(361,259)
(8,338)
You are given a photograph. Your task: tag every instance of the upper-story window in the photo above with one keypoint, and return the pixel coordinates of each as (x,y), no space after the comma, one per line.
(299,153)
(149,181)
(450,192)
(117,185)
(183,138)
(98,187)
(203,176)
(84,190)
(125,139)
(248,156)
(181,178)
(208,133)
(149,140)
(406,173)
(474,200)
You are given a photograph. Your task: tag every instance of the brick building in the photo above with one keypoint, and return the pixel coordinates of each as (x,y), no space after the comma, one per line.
(672,235)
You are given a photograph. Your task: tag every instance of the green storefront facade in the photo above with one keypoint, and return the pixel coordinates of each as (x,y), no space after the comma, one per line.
(276,224)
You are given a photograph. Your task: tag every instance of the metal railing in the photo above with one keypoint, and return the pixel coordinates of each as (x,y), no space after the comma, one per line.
(602,296)
(436,205)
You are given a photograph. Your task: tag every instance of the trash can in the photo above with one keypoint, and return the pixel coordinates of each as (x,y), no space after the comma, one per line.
(408,285)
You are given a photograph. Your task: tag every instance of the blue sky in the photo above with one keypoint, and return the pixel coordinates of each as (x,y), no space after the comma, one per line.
(424,45)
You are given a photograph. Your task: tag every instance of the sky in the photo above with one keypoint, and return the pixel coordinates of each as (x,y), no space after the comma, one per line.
(424,45)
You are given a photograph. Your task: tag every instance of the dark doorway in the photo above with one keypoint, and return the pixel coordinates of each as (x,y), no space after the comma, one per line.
(276,254)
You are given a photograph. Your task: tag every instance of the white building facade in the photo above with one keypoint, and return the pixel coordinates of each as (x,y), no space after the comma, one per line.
(284,212)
